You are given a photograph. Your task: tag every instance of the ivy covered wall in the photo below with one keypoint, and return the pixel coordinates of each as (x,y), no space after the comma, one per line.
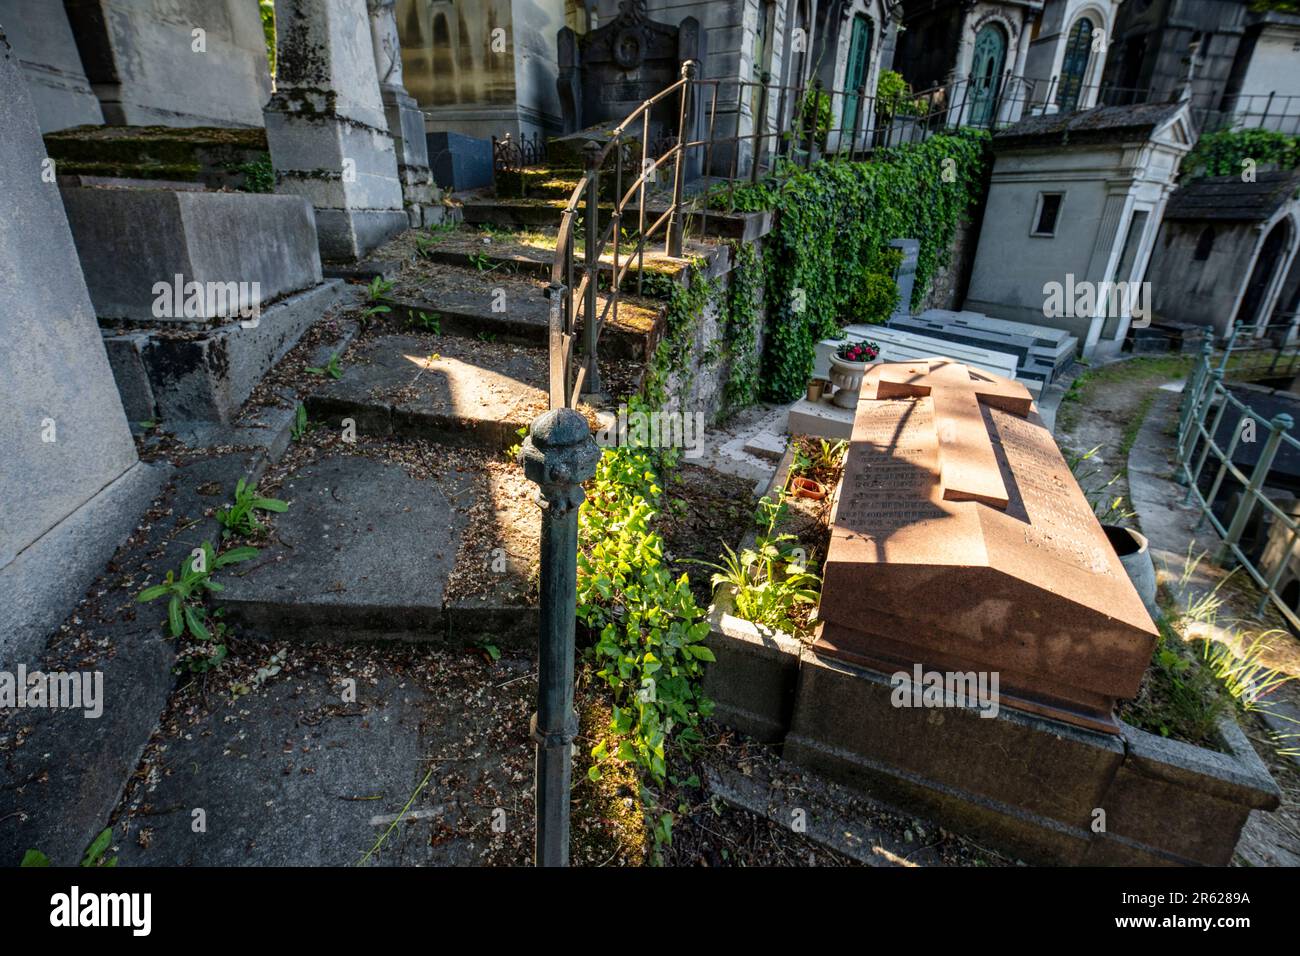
(749,332)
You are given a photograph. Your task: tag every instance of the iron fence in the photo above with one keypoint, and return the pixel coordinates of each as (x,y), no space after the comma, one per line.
(1213,425)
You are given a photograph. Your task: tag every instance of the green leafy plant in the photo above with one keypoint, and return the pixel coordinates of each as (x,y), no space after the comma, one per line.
(857,350)
(241,517)
(93,857)
(1221,153)
(259,175)
(830,454)
(332,368)
(483,262)
(650,632)
(894,97)
(376,294)
(427,322)
(186,611)
(512,453)
(815,116)
(298,430)
(771,579)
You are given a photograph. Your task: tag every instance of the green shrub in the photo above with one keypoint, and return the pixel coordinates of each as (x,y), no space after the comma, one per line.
(1222,153)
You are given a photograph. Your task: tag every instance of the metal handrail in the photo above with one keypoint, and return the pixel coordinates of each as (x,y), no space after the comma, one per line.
(1207,404)
(565,385)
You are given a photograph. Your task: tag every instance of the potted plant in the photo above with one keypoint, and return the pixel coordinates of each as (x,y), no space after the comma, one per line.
(848,364)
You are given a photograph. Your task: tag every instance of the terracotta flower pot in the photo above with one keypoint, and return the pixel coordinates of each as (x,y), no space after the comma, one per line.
(802,487)
(847,378)
(815,388)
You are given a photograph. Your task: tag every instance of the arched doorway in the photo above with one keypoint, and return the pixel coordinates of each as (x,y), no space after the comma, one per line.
(1074,67)
(1263,277)
(986,72)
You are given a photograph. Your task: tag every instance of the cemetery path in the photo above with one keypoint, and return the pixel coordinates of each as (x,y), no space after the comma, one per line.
(1128,410)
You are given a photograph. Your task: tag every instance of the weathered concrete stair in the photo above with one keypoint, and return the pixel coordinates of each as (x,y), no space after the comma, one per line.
(368,551)
(496,303)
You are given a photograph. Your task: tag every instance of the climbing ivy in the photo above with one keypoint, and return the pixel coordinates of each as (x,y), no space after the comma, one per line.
(739,321)
(649,648)
(686,305)
(833,221)
(1222,153)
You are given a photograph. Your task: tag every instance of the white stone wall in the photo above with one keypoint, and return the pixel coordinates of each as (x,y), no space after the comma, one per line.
(1103,185)
(1274,67)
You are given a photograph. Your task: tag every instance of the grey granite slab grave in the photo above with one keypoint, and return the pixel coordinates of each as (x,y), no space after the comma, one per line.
(130,240)
(459,162)
(41,38)
(905,274)
(205,376)
(149,66)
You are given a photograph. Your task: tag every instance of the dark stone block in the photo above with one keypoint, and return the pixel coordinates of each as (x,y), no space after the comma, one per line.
(460,162)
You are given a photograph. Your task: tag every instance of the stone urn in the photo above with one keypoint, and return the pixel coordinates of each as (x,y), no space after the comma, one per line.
(1135,554)
(848,364)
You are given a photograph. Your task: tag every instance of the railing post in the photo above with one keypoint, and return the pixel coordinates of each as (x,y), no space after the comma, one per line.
(1191,393)
(858,115)
(559,454)
(1200,411)
(675,218)
(760,125)
(1227,348)
(814,129)
(1258,475)
(591,155)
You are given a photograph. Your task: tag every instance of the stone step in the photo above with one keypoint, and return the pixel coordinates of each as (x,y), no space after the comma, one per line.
(537,263)
(549,182)
(495,303)
(531,213)
(394,543)
(461,391)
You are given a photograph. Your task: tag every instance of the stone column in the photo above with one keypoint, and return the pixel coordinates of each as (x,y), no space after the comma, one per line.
(405,120)
(326,127)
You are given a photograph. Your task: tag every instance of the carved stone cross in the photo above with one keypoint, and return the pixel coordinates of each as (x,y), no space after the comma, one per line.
(969,468)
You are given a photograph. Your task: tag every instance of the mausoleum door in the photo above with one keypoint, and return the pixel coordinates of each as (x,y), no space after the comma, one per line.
(855,71)
(986,69)
(1074,68)
(1271,254)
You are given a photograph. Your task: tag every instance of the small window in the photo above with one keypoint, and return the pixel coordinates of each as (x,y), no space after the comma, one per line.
(1205,244)
(1049,209)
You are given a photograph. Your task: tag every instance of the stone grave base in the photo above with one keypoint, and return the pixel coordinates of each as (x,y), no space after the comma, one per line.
(131,239)
(173,376)
(50,575)
(348,234)
(1041,789)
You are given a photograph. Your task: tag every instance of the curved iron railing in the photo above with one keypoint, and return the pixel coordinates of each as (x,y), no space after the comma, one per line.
(569,303)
